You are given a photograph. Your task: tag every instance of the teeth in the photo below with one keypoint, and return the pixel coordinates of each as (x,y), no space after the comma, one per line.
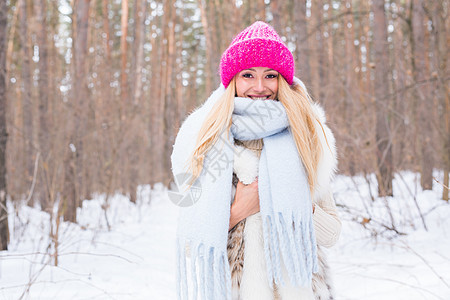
(259,98)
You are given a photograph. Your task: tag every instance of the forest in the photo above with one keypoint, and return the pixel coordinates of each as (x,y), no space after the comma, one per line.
(92,92)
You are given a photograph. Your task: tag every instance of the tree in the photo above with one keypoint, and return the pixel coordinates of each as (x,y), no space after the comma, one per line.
(382,130)
(123,49)
(43,87)
(26,88)
(318,60)
(139,17)
(84,71)
(440,31)
(209,44)
(75,157)
(4,231)
(422,96)
(302,42)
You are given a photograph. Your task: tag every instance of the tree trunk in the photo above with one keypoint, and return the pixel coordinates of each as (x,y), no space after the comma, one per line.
(302,43)
(179,88)
(209,46)
(275,9)
(123,50)
(154,104)
(43,83)
(10,47)
(215,27)
(422,96)
(441,56)
(140,38)
(235,19)
(383,139)
(81,93)
(140,16)
(4,231)
(160,75)
(400,136)
(26,92)
(350,81)
(261,11)
(74,187)
(107,92)
(169,99)
(106,29)
(317,55)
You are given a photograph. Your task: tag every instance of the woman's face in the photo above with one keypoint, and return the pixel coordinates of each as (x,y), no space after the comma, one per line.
(258,83)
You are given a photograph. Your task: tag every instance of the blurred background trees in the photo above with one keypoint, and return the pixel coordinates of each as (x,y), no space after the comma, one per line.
(97,89)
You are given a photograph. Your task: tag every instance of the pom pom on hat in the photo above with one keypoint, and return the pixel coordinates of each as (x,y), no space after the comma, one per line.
(257,46)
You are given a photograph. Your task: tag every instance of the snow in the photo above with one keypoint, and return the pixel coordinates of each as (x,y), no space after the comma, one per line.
(372,262)
(135,258)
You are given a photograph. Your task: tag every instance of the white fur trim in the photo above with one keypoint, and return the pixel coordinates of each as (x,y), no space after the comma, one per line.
(245,164)
(328,162)
(254,283)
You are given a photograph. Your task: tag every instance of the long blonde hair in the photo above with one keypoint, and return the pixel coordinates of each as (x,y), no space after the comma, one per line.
(217,122)
(297,103)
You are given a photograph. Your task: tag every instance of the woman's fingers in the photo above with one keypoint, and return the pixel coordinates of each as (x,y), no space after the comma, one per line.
(249,198)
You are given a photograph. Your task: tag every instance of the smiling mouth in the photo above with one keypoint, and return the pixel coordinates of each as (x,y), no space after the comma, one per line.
(263,97)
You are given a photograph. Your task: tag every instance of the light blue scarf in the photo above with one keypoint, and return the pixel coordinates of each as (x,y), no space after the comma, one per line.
(284,195)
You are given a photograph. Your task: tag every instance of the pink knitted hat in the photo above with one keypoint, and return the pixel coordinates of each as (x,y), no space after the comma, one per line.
(257,46)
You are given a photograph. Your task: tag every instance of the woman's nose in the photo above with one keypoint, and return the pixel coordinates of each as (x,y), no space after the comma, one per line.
(259,86)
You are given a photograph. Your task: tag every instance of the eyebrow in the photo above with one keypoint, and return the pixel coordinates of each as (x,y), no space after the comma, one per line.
(268,70)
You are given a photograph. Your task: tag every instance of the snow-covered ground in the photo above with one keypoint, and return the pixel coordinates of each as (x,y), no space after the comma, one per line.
(404,254)
(372,261)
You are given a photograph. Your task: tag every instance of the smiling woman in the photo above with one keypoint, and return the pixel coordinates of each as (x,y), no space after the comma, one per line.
(261,152)
(258,83)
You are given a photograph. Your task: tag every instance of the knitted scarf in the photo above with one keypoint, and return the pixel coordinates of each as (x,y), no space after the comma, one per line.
(284,195)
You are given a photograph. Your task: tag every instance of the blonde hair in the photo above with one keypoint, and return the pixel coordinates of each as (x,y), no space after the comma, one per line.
(297,103)
(217,122)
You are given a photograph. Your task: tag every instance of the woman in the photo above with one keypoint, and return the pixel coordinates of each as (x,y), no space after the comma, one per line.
(260,142)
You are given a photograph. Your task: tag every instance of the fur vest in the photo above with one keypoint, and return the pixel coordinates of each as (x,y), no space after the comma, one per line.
(249,280)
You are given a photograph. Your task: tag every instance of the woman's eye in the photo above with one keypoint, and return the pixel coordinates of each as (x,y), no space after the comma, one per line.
(271,76)
(247,75)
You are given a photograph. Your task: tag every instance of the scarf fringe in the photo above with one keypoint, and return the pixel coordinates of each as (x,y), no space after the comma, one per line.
(299,264)
(207,265)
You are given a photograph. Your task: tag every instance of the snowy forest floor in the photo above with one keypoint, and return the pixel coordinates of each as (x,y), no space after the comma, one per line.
(390,248)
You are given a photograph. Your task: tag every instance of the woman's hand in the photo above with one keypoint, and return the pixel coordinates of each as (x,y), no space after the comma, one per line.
(246,202)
